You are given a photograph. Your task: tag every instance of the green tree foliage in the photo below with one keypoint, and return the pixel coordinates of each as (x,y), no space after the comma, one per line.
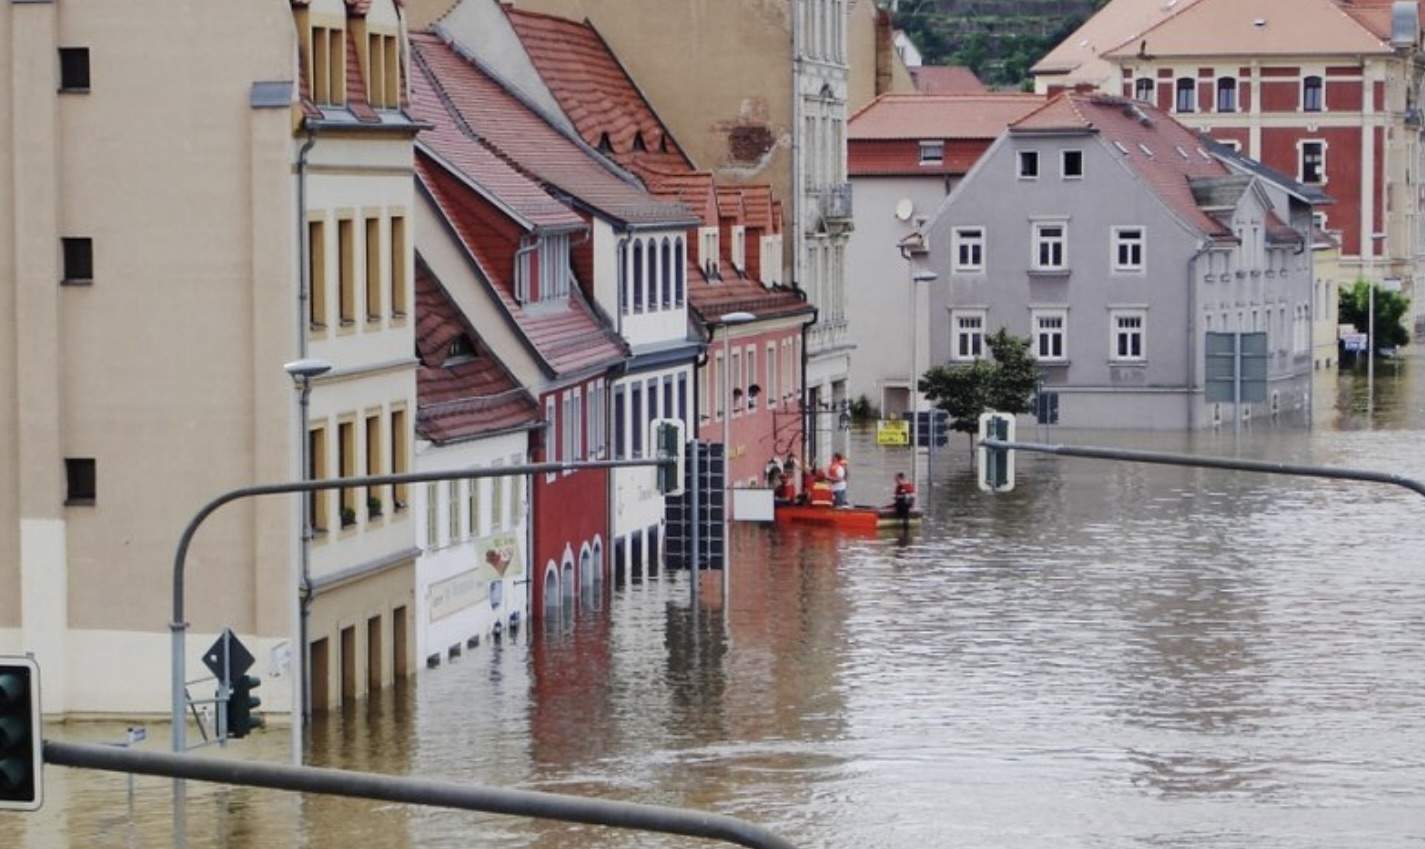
(1004,384)
(1000,40)
(1391,310)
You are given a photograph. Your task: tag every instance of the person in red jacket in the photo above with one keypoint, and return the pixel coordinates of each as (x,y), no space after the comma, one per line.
(904,497)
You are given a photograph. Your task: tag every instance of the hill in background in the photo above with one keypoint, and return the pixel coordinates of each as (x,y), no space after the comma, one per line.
(998,39)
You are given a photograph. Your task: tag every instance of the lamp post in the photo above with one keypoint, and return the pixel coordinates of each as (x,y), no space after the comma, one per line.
(302,373)
(727,321)
(916,278)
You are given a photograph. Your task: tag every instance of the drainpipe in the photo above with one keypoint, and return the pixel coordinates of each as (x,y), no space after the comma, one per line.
(622,274)
(304,578)
(521,251)
(807,423)
(1191,367)
(797,188)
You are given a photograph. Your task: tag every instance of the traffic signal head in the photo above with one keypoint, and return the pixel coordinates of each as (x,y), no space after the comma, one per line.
(667,436)
(995,466)
(21,787)
(240,704)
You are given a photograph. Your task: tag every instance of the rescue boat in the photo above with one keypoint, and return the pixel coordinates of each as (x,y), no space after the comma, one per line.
(857,519)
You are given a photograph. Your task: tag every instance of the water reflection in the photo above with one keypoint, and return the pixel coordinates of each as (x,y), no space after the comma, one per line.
(1110,655)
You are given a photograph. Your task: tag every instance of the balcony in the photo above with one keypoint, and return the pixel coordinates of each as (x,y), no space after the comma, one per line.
(835,206)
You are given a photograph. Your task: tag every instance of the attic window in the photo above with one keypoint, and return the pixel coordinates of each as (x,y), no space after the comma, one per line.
(605,146)
(1181,152)
(663,143)
(461,347)
(638,143)
(1259,23)
(1146,151)
(1204,154)
(1121,149)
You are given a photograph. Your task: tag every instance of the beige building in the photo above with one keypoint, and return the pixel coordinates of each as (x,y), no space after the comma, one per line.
(759,92)
(161,176)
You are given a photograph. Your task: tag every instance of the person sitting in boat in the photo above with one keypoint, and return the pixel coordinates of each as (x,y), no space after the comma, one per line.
(773,474)
(904,497)
(786,493)
(819,492)
(838,479)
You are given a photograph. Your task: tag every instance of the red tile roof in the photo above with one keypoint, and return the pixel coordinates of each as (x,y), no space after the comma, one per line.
(694,189)
(1173,157)
(569,338)
(712,299)
(943,116)
(594,89)
(1229,28)
(946,79)
(514,131)
(461,399)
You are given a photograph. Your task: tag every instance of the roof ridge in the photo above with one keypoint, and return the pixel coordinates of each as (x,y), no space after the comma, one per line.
(1196,4)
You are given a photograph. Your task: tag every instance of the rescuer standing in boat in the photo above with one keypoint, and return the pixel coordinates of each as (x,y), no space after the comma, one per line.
(837,473)
(904,497)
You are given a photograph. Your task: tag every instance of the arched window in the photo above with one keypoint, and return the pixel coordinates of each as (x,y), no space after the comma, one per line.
(638,276)
(667,273)
(1312,95)
(1186,95)
(679,269)
(551,587)
(1145,89)
(1227,95)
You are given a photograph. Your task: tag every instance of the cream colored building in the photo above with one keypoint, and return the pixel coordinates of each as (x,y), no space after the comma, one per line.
(152,258)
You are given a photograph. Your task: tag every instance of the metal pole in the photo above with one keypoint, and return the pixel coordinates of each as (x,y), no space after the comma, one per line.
(726,455)
(914,394)
(419,791)
(1228,463)
(1237,382)
(1371,351)
(301,675)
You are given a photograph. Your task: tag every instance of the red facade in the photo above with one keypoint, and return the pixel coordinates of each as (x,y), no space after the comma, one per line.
(768,427)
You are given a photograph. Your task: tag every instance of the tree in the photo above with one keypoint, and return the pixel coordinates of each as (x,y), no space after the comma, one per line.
(1391,310)
(1004,384)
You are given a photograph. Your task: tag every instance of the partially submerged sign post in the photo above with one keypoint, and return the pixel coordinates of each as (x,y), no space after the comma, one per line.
(1236,370)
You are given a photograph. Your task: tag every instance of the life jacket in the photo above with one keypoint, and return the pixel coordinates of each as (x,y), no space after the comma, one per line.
(821,494)
(905,488)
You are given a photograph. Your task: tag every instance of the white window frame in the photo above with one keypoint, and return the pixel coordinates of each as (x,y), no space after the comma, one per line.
(956,333)
(770,390)
(1301,160)
(1062,314)
(959,237)
(1021,158)
(1193,107)
(708,256)
(1118,241)
(1114,316)
(1301,92)
(739,247)
(551,435)
(736,375)
(1152,90)
(1234,144)
(719,402)
(578,436)
(1036,238)
(1064,164)
(749,366)
(1236,94)
(932,152)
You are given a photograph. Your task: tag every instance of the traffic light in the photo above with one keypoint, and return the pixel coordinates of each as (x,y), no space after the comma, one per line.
(21,786)
(667,436)
(240,704)
(995,466)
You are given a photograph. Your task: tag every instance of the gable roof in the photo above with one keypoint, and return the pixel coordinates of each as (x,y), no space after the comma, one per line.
(510,128)
(946,79)
(1256,28)
(1244,164)
(1078,57)
(594,90)
(943,116)
(471,397)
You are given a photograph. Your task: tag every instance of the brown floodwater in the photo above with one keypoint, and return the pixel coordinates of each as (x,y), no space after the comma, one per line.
(1108,656)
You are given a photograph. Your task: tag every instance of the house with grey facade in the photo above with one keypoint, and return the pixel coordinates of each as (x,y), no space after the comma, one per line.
(1116,239)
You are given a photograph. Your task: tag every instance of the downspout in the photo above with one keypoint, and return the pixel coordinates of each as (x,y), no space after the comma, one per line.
(515,271)
(797,153)
(1191,366)
(807,421)
(304,577)
(622,276)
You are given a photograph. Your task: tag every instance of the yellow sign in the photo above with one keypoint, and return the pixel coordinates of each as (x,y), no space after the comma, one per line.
(893,432)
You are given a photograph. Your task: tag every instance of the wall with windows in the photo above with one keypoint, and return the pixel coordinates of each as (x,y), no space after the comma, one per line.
(636,401)
(474,563)
(652,287)
(760,371)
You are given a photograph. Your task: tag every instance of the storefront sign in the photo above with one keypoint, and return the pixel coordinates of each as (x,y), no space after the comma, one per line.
(496,558)
(893,432)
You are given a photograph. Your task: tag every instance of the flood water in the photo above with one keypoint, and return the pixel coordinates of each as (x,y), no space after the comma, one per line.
(1109,656)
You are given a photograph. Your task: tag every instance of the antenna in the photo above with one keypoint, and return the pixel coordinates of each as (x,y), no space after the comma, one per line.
(904,209)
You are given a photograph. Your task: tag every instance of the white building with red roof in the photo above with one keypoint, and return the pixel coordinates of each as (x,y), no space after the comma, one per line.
(1117,298)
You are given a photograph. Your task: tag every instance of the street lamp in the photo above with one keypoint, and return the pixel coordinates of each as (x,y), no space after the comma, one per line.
(303,372)
(916,278)
(728,321)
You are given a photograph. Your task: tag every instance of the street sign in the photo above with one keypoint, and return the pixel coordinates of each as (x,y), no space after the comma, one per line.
(1236,366)
(237,655)
(137,734)
(1355,342)
(893,432)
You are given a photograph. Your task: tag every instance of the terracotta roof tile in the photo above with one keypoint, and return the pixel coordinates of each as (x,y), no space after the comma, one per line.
(1078,57)
(944,116)
(511,129)
(946,79)
(694,189)
(465,398)
(713,299)
(1229,28)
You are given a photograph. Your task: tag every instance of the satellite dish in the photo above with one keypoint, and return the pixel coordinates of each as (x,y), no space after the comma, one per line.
(904,209)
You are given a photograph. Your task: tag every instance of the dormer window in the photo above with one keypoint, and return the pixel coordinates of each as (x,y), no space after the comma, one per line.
(605,145)
(739,248)
(461,349)
(638,144)
(554,272)
(327,68)
(708,252)
(383,71)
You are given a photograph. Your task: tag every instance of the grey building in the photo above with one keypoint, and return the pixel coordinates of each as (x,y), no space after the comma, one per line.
(1115,239)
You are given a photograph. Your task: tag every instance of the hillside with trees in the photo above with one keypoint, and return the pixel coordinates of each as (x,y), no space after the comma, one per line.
(997,39)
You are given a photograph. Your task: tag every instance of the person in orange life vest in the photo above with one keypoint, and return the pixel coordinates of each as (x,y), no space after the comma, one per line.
(904,496)
(838,479)
(819,494)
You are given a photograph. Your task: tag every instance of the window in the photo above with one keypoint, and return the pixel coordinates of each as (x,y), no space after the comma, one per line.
(452,507)
(497,501)
(647,423)
(932,153)
(79,475)
(346,468)
(769,390)
(566,428)
(707,251)
(400,456)
(1313,162)
(73,69)
(1049,335)
(1049,242)
(969,334)
(346,257)
(1127,336)
(472,506)
(551,435)
(398,266)
(374,505)
(1227,95)
(719,387)
(1127,248)
(382,71)
(576,426)
(596,420)
(1312,95)
(1028,165)
(553,268)
(638,275)
(1186,95)
(737,395)
(432,515)
(78,260)
(969,249)
(517,496)
(374,284)
(679,270)
(751,363)
(328,66)
(317,470)
(683,398)
(635,417)
(667,397)
(1071,164)
(1145,89)
(667,275)
(620,430)
(317,274)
